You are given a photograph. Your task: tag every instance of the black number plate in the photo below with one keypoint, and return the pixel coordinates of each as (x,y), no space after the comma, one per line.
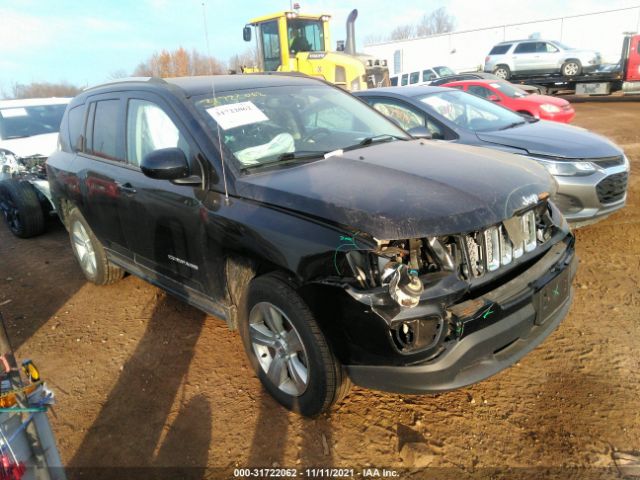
(552,296)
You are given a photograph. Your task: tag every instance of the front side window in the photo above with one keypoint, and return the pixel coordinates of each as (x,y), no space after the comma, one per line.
(481,92)
(544,47)
(305,35)
(280,125)
(149,128)
(20,122)
(428,75)
(444,71)
(509,89)
(270,46)
(103,141)
(471,112)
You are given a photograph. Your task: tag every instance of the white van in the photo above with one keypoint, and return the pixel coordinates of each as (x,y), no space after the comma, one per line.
(420,77)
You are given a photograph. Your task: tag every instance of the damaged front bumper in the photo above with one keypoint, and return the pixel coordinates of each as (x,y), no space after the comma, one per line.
(485,334)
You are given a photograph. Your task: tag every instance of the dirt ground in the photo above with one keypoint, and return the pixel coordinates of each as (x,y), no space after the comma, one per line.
(144,380)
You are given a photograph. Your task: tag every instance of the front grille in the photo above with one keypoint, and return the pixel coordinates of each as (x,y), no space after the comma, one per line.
(612,188)
(495,247)
(608,162)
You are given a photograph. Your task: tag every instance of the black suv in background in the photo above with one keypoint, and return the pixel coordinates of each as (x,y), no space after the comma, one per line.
(340,247)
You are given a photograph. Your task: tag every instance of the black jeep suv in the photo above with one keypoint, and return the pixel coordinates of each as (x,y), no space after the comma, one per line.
(341,248)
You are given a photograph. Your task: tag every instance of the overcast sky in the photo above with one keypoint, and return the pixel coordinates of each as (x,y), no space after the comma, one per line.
(83,42)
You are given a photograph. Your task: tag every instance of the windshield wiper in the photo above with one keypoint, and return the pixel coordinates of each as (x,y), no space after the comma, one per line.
(514,124)
(376,139)
(286,158)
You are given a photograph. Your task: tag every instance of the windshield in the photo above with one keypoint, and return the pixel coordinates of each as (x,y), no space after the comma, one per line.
(444,71)
(305,35)
(19,122)
(509,89)
(471,112)
(563,46)
(288,124)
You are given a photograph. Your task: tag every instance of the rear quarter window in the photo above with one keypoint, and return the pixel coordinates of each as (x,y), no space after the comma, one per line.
(500,49)
(76,126)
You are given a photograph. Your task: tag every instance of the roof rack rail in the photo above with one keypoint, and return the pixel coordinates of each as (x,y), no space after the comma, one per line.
(126,80)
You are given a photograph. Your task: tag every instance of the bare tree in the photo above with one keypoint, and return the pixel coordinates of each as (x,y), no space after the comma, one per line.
(248,58)
(402,32)
(178,63)
(374,38)
(116,74)
(44,89)
(438,21)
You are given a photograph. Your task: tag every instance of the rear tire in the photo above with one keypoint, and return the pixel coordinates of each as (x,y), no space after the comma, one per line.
(304,377)
(21,208)
(89,252)
(502,71)
(571,68)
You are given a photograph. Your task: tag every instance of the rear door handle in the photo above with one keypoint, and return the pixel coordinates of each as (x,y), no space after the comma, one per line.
(126,188)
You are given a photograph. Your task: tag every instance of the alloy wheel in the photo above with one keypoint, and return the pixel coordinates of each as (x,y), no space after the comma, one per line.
(571,69)
(501,73)
(279,348)
(84,249)
(11,215)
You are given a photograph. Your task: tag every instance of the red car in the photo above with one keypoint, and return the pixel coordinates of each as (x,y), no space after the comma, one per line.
(513,98)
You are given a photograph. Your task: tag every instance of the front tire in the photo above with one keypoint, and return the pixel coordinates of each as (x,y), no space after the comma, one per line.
(21,208)
(287,349)
(571,68)
(90,253)
(502,71)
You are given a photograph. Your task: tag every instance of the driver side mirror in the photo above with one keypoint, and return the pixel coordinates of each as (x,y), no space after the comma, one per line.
(165,164)
(246,33)
(493,98)
(420,132)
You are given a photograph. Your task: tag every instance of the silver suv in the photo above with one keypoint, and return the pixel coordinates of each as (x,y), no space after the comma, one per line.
(526,57)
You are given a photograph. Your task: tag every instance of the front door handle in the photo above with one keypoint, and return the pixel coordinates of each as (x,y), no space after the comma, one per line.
(126,188)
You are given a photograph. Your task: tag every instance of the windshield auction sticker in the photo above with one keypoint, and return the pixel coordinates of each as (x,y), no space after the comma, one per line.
(237,114)
(13,112)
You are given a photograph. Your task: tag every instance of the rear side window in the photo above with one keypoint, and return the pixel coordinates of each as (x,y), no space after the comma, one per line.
(394,81)
(405,79)
(527,47)
(500,49)
(414,78)
(76,124)
(103,141)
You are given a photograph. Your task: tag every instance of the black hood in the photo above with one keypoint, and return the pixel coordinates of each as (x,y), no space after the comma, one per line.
(553,139)
(401,190)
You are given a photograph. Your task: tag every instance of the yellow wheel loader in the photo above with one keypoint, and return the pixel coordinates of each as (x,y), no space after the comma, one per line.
(293,42)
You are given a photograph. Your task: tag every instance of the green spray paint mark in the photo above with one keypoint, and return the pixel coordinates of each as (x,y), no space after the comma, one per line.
(345,241)
(487,313)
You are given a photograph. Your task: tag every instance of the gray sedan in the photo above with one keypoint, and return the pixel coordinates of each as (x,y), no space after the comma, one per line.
(592,172)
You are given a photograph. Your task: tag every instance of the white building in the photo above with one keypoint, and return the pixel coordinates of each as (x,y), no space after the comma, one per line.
(465,51)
